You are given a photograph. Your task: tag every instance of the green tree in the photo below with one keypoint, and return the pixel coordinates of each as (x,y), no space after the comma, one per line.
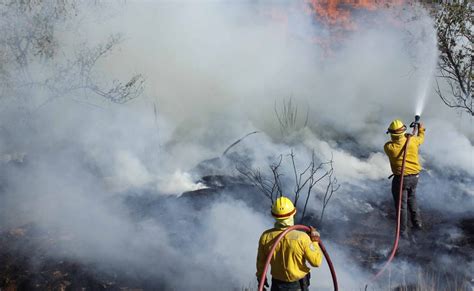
(454,24)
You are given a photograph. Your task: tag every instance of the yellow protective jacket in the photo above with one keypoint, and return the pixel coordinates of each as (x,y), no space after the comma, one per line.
(289,259)
(394,151)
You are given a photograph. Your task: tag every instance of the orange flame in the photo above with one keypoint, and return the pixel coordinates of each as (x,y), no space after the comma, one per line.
(339,12)
(337,16)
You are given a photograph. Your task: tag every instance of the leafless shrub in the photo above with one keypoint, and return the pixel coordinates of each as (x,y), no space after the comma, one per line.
(287,116)
(331,188)
(304,180)
(269,186)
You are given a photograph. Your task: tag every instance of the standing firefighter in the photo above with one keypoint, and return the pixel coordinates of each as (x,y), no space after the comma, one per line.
(394,150)
(288,264)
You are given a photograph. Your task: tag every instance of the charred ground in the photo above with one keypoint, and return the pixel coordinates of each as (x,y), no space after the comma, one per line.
(442,252)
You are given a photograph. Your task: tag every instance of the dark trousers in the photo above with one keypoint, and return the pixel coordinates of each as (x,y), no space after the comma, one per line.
(408,201)
(300,285)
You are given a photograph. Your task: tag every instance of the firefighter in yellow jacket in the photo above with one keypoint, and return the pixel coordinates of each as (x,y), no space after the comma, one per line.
(288,264)
(394,150)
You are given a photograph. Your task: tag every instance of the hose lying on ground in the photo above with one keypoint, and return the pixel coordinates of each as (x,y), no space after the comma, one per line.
(280,236)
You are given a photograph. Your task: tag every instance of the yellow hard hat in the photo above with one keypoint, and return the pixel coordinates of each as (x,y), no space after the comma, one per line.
(283,208)
(396,127)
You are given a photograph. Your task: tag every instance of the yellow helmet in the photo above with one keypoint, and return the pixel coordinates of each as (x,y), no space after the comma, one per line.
(396,127)
(283,208)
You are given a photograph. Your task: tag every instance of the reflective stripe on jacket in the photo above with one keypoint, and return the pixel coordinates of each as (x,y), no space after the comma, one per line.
(289,259)
(394,151)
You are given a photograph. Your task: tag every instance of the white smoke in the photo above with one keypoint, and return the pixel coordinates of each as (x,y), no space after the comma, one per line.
(178,183)
(452,155)
(214,71)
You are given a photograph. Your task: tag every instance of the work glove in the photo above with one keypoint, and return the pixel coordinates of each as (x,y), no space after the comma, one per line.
(314,234)
(265,284)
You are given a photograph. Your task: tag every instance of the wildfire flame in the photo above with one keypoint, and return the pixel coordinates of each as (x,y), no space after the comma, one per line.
(338,18)
(339,12)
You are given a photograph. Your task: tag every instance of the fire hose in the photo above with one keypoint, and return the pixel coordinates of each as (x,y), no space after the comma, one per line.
(414,124)
(280,236)
(397,230)
(400,194)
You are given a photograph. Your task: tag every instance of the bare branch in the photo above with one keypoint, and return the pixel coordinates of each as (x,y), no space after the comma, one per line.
(237,141)
(287,116)
(304,180)
(28,40)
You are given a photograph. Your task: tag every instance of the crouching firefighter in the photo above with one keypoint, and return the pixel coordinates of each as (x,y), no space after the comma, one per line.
(288,264)
(394,150)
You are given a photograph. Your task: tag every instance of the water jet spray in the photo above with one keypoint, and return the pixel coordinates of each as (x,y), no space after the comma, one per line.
(424,62)
(421,101)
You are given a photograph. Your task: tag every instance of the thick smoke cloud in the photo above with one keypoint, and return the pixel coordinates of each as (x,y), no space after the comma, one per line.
(214,72)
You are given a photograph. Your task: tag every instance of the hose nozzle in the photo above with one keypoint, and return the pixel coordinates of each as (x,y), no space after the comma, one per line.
(416,122)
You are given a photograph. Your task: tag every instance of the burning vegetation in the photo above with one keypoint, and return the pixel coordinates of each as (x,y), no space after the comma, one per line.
(341,12)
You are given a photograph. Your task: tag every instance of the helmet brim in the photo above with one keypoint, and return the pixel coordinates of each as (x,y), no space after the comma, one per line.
(398,131)
(284,216)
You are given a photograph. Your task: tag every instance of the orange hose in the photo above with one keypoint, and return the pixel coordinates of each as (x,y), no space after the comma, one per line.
(280,236)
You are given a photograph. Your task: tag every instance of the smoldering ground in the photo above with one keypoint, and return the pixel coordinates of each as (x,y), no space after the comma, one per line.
(107,178)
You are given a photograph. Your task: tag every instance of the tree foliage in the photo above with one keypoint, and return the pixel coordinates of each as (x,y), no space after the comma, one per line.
(34,58)
(454,24)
